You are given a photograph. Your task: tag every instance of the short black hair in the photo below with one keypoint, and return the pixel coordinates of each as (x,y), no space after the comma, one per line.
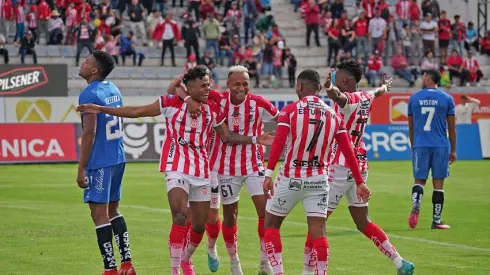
(352,67)
(311,76)
(434,74)
(197,72)
(105,63)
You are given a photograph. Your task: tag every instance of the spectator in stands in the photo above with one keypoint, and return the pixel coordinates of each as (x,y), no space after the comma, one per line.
(207,8)
(402,9)
(268,55)
(347,37)
(343,19)
(4,52)
(312,19)
(368,6)
(233,19)
(361,31)
(6,15)
(485,44)
(71,22)
(426,7)
(406,37)
(264,24)
(354,12)
(31,20)
(114,22)
(128,48)
(151,23)
(252,66)
(208,61)
(238,53)
(334,43)
(250,15)
(392,38)
(277,61)
(27,45)
(111,47)
(56,27)
(195,5)
(136,18)
(400,65)
(181,3)
(337,8)
(191,62)
(377,30)
(83,10)
(429,63)
(416,53)
(458,30)
(471,69)
(429,30)
(104,9)
(471,39)
(465,109)
(225,50)
(291,64)
(266,5)
(211,34)
(43,16)
(455,66)
(190,34)
(444,26)
(374,67)
(274,33)
(19,21)
(85,35)
(384,8)
(414,11)
(168,32)
(160,6)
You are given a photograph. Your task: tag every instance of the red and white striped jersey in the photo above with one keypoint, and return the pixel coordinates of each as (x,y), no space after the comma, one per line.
(19,14)
(31,20)
(245,119)
(355,115)
(186,138)
(313,126)
(403,8)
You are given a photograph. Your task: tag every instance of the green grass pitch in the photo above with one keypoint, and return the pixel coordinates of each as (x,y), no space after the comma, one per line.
(46,229)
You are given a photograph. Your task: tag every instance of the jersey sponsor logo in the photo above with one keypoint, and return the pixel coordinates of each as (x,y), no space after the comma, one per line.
(314,185)
(135,139)
(278,205)
(37,142)
(21,80)
(365,104)
(335,201)
(399,109)
(313,162)
(295,184)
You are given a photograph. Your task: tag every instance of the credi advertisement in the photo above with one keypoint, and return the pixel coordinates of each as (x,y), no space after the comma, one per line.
(59,109)
(391,142)
(392,108)
(36,80)
(32,143)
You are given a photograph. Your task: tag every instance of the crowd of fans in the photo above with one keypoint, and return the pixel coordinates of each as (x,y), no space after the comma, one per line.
(377,36)
(233,32)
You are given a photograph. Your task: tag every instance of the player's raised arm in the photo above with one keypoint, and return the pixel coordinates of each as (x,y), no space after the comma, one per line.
(282,132)
(334,92)
(89,125)
(385,87)
(451,127)
(150,110)
(230,137)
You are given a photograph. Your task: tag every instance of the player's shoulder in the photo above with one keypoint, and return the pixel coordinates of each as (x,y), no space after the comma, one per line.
(290,108)
(170,101)
(213,106)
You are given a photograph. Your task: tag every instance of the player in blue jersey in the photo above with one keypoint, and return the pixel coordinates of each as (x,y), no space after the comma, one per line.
(428,112)
(102,162)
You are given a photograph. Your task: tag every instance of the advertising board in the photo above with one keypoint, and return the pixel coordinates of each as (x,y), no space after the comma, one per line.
(26,143)
(34,80)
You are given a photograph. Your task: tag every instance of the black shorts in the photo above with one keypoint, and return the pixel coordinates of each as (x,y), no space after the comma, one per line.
(443,43)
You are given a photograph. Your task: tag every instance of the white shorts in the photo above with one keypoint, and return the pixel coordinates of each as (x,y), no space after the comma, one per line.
(230,186)
(312,192)
(197,188)
(215,197)
(343,184)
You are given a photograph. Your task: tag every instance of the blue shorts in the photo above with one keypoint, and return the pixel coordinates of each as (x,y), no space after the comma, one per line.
(104,184)
(435,159)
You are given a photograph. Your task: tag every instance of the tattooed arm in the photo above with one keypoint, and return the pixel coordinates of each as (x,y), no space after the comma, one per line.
(230,137)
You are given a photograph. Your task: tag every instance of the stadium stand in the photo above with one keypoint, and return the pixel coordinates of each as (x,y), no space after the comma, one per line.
(292,27)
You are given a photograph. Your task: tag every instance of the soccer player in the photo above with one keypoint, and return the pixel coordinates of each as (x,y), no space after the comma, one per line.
(354,107)
(239,165)
(102,162)
(307,129)
(184,158)
(428,111)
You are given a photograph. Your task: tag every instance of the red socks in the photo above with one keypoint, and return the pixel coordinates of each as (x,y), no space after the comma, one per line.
(309,255)
(273,247)
(380,240)
(320,246)
(231,239)
(261,232)
(176,244)
(213,229)
(193,241)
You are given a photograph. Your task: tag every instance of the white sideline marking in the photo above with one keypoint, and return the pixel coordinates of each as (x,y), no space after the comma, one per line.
(460,246)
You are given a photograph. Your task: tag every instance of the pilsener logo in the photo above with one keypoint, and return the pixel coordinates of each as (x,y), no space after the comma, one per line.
(399,109)
(21,80)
